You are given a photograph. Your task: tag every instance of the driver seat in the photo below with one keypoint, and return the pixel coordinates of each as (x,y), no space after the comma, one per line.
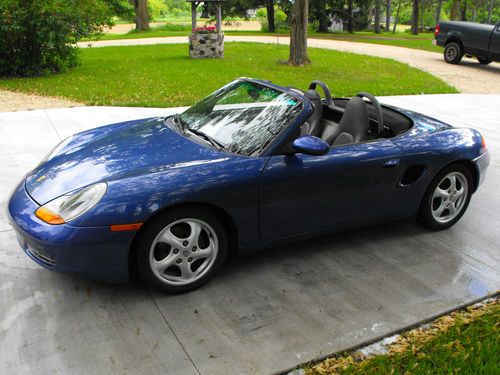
(314,120)
(353,125)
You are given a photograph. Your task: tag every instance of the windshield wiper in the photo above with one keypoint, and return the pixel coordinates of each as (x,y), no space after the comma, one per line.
(178,122)
(206,137)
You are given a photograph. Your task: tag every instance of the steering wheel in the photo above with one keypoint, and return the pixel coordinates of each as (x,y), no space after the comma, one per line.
(378,110)
(326,90)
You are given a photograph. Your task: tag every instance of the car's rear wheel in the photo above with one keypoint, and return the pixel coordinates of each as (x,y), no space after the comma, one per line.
(447,197)
(484,61)
(453,53)
(181,250)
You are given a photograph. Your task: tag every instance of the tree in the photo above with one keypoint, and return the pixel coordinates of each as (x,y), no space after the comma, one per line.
(38,36)
(438,11)
(141,14)
(387,15)
(298,33)
(321,15)
(400,2)
(270,16)
(490,11)
(455,10)
(377,16)
(414,17)
(350,18)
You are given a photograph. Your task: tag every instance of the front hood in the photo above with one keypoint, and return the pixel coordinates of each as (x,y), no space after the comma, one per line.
(117,151)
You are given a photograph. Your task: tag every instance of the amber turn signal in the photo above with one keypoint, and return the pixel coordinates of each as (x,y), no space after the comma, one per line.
(122,227)
(46,215)
(483,144)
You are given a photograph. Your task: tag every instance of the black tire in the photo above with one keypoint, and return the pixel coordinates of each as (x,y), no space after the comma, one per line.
(426,216)
(149,236)
(453,53)
(484,61)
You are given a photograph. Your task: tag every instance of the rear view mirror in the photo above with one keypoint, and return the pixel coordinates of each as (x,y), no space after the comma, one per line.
(310,145)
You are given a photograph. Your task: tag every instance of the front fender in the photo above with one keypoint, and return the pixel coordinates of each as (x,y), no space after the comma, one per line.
(230,184)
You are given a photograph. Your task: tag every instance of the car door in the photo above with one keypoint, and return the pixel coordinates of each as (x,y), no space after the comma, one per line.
(495,43)
(302,193)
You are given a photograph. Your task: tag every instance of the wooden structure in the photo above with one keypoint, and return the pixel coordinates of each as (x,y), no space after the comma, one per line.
(203,42)
(218,16)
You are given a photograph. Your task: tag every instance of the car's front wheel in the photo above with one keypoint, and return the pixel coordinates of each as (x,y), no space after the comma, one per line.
(453,53)
(181,250)
(447,197)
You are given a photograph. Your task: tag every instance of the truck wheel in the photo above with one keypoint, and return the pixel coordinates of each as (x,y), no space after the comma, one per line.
(483,61)
(453,53)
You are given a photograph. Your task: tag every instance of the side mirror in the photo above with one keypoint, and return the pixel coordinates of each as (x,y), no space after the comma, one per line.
(310,145)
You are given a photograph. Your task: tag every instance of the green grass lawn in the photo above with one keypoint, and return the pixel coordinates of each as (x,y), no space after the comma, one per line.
(422,41)
(165,76)
(467,342)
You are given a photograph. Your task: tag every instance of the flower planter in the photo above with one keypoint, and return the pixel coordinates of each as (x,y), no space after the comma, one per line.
(206,45)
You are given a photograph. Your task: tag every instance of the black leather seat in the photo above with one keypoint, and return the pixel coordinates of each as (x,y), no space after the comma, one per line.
(353,125)
(314,120)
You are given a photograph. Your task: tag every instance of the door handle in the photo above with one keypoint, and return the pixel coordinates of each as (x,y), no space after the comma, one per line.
(392,163)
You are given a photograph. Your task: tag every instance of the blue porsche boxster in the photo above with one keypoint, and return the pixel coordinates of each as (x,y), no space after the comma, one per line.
(250,166)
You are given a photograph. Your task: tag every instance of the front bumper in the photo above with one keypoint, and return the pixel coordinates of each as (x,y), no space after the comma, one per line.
(94,252)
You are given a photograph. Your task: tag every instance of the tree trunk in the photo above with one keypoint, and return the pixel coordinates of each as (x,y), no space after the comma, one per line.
(414,18)
(322,16)
(438,11)
(397,17)
(350,20)
(298,33)
(463,12)
(422,15)
(141,15)
(377,17)
(455,10)
(388,15)
(270,16)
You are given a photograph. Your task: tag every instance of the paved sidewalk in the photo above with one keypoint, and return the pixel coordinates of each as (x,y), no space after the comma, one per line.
(263,313)
(468,77)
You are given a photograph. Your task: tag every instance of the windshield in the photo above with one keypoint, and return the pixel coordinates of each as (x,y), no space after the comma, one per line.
(243,117)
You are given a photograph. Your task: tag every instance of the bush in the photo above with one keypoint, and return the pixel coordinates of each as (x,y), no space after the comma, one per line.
(37,36)
(279,19)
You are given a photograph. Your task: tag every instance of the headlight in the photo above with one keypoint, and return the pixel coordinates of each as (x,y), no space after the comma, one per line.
(69,207)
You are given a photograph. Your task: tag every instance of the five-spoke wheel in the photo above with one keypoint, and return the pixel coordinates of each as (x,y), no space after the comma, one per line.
(182,250)
(447,197)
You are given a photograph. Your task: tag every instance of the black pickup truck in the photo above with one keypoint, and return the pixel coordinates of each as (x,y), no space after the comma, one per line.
(470,39)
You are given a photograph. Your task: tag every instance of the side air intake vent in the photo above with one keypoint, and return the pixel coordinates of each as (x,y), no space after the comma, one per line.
(412,174)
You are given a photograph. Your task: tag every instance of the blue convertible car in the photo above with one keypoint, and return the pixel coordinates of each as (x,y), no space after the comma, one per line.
(250,166)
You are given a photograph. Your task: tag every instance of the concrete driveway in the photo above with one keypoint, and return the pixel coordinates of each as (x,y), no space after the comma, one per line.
(264,312)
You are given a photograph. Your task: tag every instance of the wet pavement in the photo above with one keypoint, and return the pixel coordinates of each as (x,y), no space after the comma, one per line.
(264,312)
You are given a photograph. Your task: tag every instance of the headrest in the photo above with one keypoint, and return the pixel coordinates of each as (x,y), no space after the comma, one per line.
(313,96)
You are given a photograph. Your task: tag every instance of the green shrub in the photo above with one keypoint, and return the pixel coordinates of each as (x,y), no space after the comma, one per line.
(279,19)
(37,36)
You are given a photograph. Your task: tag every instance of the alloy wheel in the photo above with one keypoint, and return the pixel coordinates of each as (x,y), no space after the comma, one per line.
(449,197)
(184,251)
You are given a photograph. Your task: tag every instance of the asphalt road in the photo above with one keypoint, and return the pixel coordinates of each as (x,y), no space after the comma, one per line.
(264,312)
